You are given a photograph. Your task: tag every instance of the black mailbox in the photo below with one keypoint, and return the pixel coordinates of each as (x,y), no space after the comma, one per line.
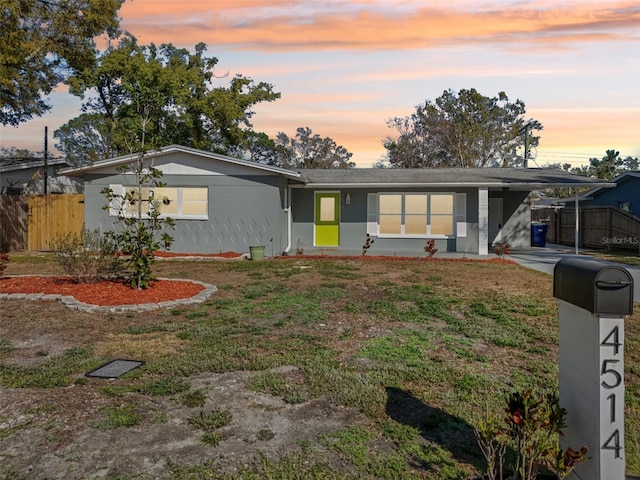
(596,286)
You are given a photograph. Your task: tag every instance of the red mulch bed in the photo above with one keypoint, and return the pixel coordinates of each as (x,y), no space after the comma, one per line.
(104,293)
(337,257)
(216,255)
(391,258)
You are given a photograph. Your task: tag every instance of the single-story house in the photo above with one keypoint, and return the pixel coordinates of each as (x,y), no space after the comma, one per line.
(223,204)
(27,176)
(626,195)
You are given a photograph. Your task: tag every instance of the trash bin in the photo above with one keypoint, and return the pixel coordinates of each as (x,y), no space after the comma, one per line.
(539,234)
(257,252)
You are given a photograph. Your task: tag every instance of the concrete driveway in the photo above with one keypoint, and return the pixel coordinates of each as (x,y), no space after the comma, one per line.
(545,259)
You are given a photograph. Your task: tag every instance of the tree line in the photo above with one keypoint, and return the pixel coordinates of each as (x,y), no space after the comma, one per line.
(171,95)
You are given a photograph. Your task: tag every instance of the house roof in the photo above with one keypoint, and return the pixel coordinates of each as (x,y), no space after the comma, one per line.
(623,177)
(114,162)
(11,164)
(512,178)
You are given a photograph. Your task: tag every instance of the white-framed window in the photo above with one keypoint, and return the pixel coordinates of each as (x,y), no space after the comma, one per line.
(183,202)
(416,215)
(174,202)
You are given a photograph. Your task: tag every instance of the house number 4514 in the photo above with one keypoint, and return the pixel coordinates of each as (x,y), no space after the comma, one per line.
(612,386)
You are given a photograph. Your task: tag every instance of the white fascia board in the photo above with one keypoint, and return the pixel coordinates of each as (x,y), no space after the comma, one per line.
(513,186)
(173,148)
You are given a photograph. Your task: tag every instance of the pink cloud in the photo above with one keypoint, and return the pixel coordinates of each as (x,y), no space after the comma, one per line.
(295,25)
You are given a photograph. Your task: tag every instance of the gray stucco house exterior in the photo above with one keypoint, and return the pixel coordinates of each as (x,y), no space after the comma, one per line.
(225,204)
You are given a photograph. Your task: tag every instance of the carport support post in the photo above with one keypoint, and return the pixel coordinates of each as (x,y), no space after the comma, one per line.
(593,297)
(592,390)
(576,233)
(483,221)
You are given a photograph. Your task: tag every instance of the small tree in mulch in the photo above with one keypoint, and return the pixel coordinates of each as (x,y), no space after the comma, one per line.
(143,229)
(431,248)
(502,249)
(367,244)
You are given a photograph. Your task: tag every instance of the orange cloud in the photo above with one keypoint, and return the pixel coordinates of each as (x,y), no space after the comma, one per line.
(576,134)
(348,25)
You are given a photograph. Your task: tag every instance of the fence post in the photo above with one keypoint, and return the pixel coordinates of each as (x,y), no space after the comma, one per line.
(580,214)
(609,226)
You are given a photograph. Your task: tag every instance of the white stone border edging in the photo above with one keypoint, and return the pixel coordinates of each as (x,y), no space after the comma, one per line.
(70,302)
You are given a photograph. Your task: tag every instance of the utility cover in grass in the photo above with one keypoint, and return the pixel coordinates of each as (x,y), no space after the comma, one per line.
(115,368)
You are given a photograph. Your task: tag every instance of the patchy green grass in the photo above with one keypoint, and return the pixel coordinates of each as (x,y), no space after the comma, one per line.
(125,416)
(165,327)
(294,466)
(209,421)
(5,347)
(279,385)
(619,257)
(56,372)
(415,349)
(196,398)
(32,258)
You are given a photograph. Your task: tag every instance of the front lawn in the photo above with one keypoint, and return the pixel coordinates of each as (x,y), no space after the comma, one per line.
(295,368)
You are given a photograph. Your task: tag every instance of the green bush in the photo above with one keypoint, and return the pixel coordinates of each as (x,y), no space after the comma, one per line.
(87,257)
(532,426)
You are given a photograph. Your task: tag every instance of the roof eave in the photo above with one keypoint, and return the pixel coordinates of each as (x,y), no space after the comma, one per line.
(171,148)
(512,185)
(37,164)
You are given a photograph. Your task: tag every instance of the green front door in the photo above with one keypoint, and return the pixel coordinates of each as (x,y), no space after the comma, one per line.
(327,223)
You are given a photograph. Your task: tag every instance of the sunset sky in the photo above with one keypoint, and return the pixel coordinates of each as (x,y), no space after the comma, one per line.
(345,66)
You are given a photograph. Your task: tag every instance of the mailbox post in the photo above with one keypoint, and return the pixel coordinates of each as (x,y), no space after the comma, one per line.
(593,297)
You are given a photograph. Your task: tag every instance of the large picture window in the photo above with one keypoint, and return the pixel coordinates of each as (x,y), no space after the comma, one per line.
(174,202)
(416,214)
(182,202)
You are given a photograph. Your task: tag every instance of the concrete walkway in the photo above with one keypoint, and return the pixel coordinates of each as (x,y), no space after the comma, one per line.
(545,259)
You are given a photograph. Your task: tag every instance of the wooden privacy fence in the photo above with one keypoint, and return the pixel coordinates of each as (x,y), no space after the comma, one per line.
(599,227)
(34,222)
(14,212)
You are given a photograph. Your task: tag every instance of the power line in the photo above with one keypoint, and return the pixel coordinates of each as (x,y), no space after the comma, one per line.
(571,154)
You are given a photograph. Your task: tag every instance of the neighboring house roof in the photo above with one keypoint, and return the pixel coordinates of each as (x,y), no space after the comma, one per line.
(512,178)
(551,202)
(114,162)
(623,177)
(26,175)
(24,163)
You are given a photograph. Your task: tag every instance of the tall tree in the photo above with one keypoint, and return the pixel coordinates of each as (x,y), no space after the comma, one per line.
(609,166)
(42,42)
(19,153)
(464,129)
(86,138)
(308,150)
(257,147)
(171,90)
